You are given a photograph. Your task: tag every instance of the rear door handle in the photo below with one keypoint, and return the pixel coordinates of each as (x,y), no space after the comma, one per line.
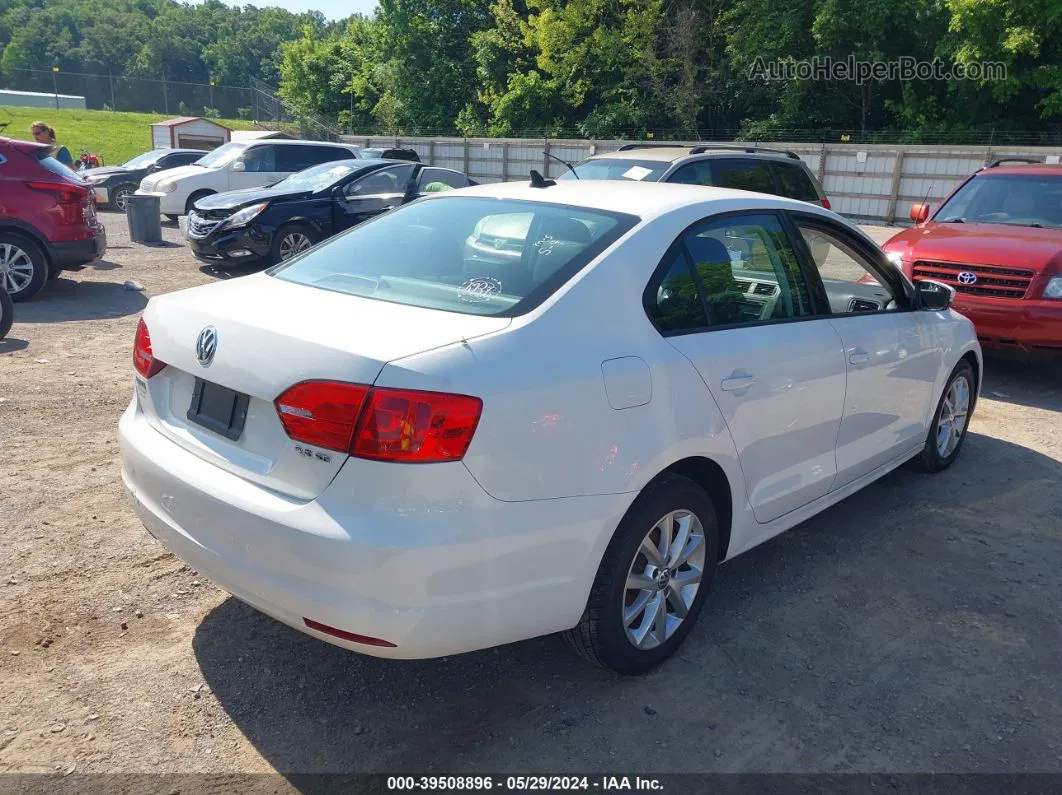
(736,383)
(859,356)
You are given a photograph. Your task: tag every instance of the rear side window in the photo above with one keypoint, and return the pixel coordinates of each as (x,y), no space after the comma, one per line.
(795,183)
(697,173)
(727,272)
(473,255)
(743,174)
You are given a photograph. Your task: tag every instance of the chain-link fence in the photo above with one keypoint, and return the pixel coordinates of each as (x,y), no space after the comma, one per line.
(143,95)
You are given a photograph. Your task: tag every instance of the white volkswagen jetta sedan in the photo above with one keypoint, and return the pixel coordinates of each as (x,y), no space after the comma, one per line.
(508,411)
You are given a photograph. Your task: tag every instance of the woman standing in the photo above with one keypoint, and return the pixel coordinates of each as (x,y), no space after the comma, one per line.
(43,134)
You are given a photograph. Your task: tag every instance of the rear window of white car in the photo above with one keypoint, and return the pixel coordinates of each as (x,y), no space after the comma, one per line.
(474,255)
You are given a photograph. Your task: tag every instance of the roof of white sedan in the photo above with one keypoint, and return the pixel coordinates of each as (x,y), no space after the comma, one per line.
(644,199)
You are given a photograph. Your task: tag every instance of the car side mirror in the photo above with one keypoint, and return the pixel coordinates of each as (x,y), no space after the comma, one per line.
(239,165)
(933,296)
(920,212)
(153,168)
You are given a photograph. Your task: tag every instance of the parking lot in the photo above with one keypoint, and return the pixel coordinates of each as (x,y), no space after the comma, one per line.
(914,627)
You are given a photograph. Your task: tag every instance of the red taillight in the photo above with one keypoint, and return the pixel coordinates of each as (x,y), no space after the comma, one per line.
(416,427)
(143,360)
(321,413)
(397,425)
(63,191)
(826,203)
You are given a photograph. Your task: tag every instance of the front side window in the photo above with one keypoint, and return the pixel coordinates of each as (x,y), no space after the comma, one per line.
(384,181)
(742,174)
(260,159)
(464,254)
(619,168)
(850,282)
(1010,199)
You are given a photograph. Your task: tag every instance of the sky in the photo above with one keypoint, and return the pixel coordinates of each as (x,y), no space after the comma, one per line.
(332,9)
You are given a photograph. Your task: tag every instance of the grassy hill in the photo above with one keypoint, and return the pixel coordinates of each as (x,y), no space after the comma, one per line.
(116,137)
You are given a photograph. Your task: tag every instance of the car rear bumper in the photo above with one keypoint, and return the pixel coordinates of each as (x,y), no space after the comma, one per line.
(418,556)
(225,247)
(1026,325)
(75,253)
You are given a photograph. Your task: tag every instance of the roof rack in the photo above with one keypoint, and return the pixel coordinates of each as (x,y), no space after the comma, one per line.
(1003,160)
(702,148)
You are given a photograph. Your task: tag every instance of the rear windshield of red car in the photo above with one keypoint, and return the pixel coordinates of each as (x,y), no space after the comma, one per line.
(44,157)
(1009,199)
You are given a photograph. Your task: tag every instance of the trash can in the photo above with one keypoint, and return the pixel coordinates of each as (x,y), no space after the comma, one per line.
(145,223)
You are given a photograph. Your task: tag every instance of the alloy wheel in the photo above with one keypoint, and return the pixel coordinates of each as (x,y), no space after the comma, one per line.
(663,579)
(953,414)
(16,268)
(121,198)
(292,244)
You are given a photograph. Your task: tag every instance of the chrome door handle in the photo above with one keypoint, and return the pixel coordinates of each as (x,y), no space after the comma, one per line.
(736,383)
(859,356)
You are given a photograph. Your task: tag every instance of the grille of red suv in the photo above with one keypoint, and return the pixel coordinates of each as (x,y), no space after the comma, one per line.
(991,280)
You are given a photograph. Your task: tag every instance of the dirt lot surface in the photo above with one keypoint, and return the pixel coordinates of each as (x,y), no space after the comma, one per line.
(912,628)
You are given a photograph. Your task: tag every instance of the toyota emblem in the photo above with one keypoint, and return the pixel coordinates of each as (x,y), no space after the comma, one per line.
(967,278)
(207,345)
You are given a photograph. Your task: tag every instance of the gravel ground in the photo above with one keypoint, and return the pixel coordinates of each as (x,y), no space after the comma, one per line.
(911,628)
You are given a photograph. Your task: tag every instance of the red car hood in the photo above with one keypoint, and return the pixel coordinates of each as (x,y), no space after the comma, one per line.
(981,244)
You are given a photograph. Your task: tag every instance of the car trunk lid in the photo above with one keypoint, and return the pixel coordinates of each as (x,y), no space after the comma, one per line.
(270,335)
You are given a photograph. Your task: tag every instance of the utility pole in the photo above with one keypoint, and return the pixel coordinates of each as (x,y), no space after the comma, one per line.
(110,79)
(213,83)
(55,86)
(165,98)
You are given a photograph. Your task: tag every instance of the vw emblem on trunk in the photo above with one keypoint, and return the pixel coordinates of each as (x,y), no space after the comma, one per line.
(967,278)
(207,345)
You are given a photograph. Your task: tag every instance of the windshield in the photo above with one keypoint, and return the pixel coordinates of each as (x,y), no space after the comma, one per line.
(221,156)
(620,168)
(477,256)
(317,178)
(1009,199)
(145,160)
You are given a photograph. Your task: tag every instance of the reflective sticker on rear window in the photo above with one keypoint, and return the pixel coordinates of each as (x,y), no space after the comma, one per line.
(479,289)
(637,172)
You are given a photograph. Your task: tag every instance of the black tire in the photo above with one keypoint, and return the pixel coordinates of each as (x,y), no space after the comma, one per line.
(188,205)
(275,253)
(173,219)
(931,459)
(600,635)
(32,255)
(7,313)
(122,191)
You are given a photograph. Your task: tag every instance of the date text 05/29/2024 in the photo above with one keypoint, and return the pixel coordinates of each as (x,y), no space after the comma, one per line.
(523,783)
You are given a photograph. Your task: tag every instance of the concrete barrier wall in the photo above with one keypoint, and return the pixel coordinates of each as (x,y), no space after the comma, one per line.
(868,182)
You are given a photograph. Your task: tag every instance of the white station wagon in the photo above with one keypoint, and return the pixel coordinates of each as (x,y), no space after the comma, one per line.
(510,410)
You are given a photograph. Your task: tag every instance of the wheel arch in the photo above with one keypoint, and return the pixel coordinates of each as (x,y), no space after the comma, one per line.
(711,477)
(975,363)
(29,234)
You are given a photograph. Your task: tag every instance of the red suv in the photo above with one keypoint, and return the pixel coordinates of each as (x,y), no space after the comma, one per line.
(997,239)
(47,219)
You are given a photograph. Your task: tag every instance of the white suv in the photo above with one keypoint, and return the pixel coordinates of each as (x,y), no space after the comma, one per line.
(238,165)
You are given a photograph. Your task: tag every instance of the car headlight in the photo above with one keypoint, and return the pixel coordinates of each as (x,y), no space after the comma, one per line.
(166,187)
(1054,288)
(246,215)
(895,258)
